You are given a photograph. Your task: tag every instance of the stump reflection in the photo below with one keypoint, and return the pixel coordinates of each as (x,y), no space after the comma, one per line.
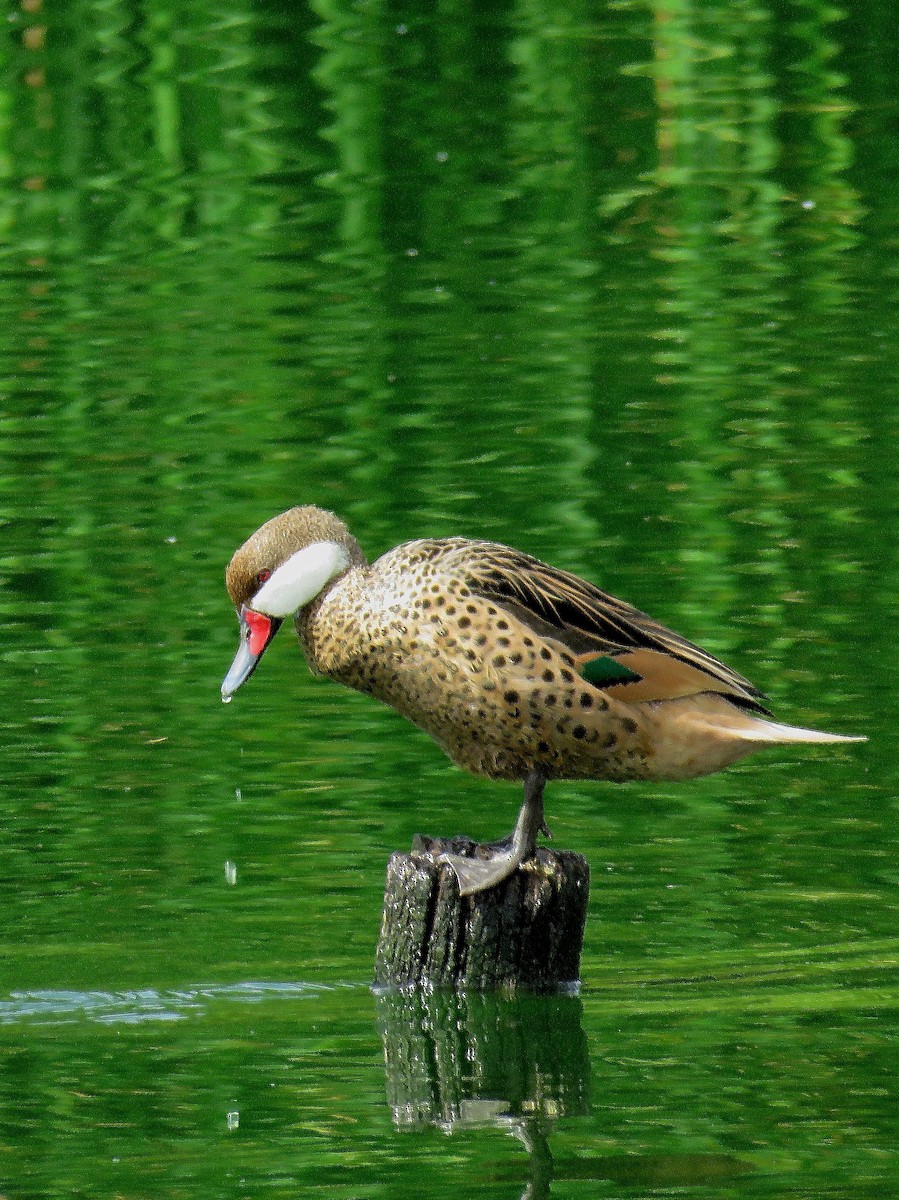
(458,1061)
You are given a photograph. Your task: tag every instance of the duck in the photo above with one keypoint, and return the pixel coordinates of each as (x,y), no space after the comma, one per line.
(518,670)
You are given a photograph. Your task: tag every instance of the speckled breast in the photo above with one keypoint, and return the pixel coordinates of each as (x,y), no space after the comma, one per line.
(496,697)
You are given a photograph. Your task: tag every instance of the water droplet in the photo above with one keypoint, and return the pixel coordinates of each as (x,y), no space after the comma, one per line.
(231,873)
(227,699)
(233,1119)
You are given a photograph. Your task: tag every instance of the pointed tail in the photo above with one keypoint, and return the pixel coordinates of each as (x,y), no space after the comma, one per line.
(755,729)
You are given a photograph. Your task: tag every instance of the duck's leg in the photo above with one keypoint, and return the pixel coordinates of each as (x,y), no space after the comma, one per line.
(503,844)
(478,874)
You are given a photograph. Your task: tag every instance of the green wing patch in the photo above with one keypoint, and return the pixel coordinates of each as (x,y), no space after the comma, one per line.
(603,671)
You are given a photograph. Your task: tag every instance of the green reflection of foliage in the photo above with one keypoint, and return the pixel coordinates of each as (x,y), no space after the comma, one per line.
(540,274)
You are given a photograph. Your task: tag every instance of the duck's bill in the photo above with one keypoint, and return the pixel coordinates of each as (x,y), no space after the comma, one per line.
(256,631)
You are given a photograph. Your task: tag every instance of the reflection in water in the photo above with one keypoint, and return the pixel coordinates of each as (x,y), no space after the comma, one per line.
(474,1060)
(463,1062)
(450,1055)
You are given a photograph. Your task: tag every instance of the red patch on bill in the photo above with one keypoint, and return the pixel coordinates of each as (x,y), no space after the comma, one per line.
(260,627)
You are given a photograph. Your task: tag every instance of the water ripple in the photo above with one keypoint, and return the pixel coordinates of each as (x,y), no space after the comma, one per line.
(147,1004)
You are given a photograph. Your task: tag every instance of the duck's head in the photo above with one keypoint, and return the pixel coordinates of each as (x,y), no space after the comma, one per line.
(287,562)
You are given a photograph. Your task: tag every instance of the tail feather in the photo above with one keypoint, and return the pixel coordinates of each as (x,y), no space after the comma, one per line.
(754,729)
(695,735)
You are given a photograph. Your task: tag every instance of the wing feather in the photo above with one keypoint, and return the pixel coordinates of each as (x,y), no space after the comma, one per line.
(585,618)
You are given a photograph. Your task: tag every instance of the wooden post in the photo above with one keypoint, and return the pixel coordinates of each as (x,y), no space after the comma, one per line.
(525,933)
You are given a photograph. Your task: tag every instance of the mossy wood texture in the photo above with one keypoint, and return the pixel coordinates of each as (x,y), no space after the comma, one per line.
(525,933)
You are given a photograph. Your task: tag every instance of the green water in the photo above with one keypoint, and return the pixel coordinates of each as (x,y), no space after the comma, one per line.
(616,284)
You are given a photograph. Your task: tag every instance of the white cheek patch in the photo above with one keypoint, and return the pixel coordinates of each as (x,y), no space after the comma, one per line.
(300,579)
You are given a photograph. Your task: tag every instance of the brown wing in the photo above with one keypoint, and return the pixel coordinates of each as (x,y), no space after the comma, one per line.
(590,622)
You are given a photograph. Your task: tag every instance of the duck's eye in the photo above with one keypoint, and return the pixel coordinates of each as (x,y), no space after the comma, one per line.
(262,575)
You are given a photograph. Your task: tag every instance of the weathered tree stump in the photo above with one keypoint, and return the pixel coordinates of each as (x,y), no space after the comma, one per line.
(525,933)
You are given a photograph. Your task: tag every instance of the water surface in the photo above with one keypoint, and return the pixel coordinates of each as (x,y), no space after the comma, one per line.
(616,286)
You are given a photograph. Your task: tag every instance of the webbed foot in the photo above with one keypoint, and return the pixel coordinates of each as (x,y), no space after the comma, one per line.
(507,855)
(479,874)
